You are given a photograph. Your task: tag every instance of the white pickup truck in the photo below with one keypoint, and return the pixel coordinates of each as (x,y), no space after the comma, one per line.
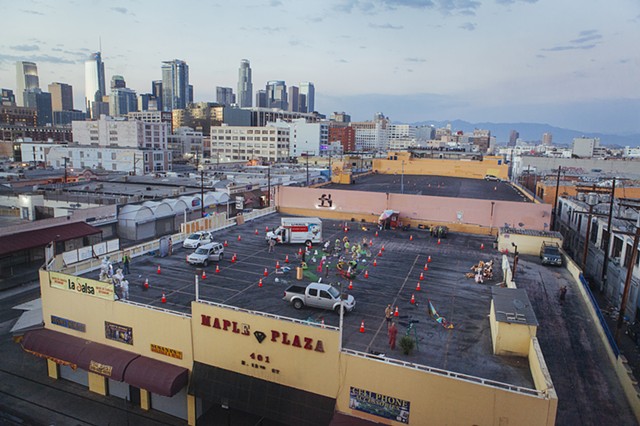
(318,295)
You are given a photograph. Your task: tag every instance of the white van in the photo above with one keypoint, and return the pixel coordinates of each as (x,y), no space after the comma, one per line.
(205,253)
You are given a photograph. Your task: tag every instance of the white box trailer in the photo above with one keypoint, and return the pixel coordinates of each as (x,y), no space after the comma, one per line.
(297,230)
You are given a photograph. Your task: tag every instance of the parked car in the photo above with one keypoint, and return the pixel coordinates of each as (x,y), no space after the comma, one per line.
(550,254)
(492,178)
(206,253)
(318,295)
(197,239)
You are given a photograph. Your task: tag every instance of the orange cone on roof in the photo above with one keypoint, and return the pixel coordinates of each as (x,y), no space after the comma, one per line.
(158,270)
(375,263)
(204,274)
(421,276)
(266,272)
(146,284)
(164,298)
(418,288)
(482,246)
(277,264)
(239,238)
(382,248)
(256,231)
(413,299)
(226,244)
(426,266)
(366,274)
(396,313)
(376,233)
(217,269)
(266,229)
(362,327)
(350,285)
(286,259)
(380,253)
(260,283)
(438,240)
(429,259)
(410,237)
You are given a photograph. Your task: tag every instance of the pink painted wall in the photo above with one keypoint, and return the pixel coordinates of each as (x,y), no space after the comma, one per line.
(418,207)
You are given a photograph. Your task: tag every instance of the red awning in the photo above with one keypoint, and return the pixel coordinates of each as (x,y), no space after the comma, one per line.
(156,376)
(41,237)
(146,373)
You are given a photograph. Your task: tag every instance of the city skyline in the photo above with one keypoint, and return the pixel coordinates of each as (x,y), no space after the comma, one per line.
(413,60)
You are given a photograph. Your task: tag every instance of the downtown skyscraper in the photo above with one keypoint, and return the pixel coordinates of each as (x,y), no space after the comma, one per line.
(245,86)
(306,97)
(26,80)
(94,86)
(175,85)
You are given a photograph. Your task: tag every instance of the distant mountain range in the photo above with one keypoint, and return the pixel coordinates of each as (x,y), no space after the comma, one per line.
(532,132)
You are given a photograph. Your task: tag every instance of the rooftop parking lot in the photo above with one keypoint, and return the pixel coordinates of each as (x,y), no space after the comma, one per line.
(466,348)
(438,186)
(587,392)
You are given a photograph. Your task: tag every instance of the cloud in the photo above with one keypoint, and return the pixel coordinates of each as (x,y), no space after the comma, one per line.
(342,61)
(36,58)
(587,39)
(122,10)
(275,3)
(33,12)
(463,7)
(515,1)
(25,47)
(386,26)
(469,26)
(415,59)
(265,29)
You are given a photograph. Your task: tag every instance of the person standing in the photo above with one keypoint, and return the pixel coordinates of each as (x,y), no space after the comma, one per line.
(170,247)
(124,284)
(125,264)
(393,333)
(388,312)
(272,244)
(563,294)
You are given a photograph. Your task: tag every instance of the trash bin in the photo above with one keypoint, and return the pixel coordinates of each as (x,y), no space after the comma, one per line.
(299,273)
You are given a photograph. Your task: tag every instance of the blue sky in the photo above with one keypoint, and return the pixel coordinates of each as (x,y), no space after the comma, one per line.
(563,62)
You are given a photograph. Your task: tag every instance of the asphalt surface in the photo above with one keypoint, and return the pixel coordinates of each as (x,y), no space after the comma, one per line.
(438,186)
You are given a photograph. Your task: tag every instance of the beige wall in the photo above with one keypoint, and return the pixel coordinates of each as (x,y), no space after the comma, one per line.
(527,244)
(442,167)
(440,400)
(307,369)
(475,215)
(149,326)
(510,339)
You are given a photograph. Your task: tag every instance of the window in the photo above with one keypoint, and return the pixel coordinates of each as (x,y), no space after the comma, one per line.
(313,292)
(325,295)
(617,247)
(113,155)
(99,155)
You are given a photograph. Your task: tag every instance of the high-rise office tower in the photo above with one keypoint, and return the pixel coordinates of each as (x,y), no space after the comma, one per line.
(61,96)
(94,85)
(261,99)
(225,96)
(36,98)
(294,105)
(26,79)
(513,138)
(547,139)
(308,95)
(277,94)
(7,98)
(245,87)
(175,85)
(117,82)
(156,90)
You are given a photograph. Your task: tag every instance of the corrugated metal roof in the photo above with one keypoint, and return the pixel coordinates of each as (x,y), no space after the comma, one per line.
(42,237)
(530,232)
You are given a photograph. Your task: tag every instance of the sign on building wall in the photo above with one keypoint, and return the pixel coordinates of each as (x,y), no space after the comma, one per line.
(166,351)
(67,323)
(119,333)
(379,405)
(82,285)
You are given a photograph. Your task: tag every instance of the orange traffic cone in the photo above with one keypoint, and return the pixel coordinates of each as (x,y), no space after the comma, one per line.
(256,231)
(322,323)
(370,243)
(204,274)
(158,270)
(376,233)
(362,327)
(260,283)
(350,285)
(421,276)
(382,248)
(396,313)
(164,298)
(266,272)
(239,238)
(299,252)
(379,253)
(266,229)
(413,299)
(418,288)
(438,240)
(429,259)
(375,263)
(286,259)
(277,264)
(410,237)
(217,269)
(482,246)
(366,274)
(226,244)
(146,284)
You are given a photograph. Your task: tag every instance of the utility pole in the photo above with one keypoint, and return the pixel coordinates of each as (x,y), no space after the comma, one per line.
(269,186)
(586,238)
(627,282)
(402,179)
(605,263)
(65,168)
(306,156)
(555,201)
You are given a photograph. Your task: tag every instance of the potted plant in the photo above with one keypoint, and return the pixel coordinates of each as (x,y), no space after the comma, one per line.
(407,344)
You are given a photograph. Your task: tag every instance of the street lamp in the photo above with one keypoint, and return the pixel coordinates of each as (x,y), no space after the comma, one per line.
(592,200)
(515,258)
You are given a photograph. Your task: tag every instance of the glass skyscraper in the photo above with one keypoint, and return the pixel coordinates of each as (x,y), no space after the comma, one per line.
(175,85)
(94,86)
(26,79)
(245,87)
(307,97)
(277,94)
